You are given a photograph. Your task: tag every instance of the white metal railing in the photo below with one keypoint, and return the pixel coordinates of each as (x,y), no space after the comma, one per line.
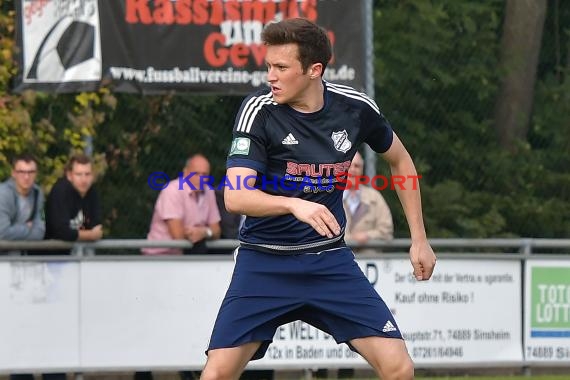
(525,246)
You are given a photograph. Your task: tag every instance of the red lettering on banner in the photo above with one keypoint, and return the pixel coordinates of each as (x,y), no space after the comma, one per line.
(138,11)
(200,12)
(217,54)
(309,8)
(163,12)
(238,54)
(233,10)
(293,11)
(258,11)
(166,12)
(183,12)
(234,44)
(34,7)
(258,52)
(215,57)
(215,12)
(283,8)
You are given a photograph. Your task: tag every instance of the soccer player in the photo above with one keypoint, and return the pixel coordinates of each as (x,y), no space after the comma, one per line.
(292,263)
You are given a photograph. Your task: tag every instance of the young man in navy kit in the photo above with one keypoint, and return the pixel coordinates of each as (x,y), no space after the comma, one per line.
(292,262)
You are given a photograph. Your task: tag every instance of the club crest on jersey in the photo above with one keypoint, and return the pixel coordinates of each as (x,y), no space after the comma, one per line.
(341,141)
(240,145)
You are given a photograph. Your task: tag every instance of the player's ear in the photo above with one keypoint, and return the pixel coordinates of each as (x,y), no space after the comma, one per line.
(315,70)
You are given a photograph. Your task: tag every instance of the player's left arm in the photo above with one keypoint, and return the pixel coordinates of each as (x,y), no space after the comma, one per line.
(402,167)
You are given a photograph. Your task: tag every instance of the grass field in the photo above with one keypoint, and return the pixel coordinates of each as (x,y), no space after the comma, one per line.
(534,377)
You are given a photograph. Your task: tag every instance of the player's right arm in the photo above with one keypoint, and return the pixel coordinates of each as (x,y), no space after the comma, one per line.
(243,199)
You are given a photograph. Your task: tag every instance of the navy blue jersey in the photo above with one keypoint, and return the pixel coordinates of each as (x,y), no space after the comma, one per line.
(302,155)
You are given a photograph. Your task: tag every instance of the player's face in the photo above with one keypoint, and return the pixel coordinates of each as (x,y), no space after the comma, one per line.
(285,74)
(81,177)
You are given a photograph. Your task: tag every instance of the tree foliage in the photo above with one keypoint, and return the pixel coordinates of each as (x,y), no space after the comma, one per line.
(437,75)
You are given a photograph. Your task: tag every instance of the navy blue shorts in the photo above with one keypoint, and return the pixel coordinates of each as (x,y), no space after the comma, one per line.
(327,290)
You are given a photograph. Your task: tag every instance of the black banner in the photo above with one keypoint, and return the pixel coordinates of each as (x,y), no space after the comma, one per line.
(154,46)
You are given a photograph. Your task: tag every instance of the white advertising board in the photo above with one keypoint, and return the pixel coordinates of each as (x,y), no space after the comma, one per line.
(547,311)
(39,319)
(150,314)
(158,314)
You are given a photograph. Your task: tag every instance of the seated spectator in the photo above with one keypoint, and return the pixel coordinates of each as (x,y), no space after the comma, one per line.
(189,212)
(21,203)
(73,210)
(368,216)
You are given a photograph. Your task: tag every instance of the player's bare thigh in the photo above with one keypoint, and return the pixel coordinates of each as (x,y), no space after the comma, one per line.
(228,363)
(388,356)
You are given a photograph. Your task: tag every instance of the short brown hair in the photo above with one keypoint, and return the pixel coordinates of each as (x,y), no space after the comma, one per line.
(26,157)
(312,40)
(79,159)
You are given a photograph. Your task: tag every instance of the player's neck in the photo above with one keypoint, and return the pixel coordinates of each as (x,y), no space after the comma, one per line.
(313,99)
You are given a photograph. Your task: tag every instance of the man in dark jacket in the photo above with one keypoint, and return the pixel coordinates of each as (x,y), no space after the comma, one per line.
(73,210)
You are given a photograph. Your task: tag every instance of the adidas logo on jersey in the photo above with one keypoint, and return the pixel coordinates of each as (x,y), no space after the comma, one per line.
(289,140)
(389,327)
